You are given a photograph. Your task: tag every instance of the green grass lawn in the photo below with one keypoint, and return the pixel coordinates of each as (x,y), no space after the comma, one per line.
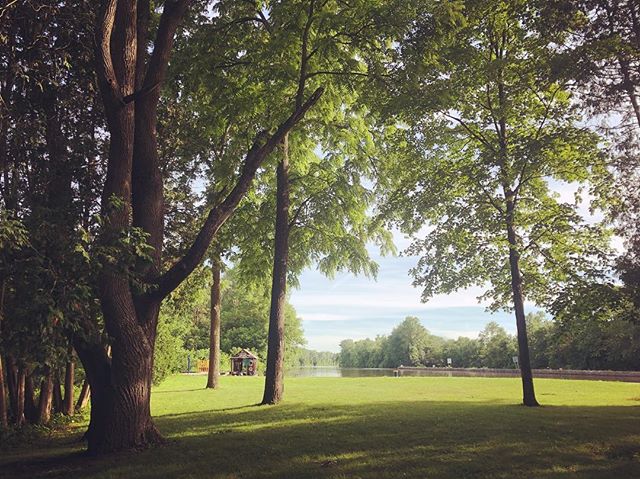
(367,428)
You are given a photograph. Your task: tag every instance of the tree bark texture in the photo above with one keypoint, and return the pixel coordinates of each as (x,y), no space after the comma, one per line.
(524,361)
(274,377)
(214,335)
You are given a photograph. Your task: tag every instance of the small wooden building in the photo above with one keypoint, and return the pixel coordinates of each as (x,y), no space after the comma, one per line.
(245,363)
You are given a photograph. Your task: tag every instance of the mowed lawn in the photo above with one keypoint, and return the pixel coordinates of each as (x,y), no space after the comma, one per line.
(367,428)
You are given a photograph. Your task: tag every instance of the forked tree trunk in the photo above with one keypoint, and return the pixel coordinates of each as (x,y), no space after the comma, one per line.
(130,82)
(120,395)
(524,361)
(46,399)
(69,376)
(274,377)
(83,397)
(214,336)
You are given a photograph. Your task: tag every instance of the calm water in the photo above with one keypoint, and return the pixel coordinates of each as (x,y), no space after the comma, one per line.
(336,372)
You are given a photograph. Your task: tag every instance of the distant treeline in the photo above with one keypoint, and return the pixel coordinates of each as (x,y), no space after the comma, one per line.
(599,345)
(309,358)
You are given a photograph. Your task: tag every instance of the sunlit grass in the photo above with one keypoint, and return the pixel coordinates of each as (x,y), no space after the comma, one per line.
(373,428)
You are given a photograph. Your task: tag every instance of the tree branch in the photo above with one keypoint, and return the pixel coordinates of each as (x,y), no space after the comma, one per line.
(172,15)
(474,134)
(172,278)
(104,63)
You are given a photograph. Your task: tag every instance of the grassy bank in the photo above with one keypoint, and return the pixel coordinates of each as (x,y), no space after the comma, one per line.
(368,427)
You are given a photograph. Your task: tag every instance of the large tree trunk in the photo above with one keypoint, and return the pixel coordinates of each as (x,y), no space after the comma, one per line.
(46,399)
(121,399)
(524,361)
(69,376)
(121,386)
(214,337)
(130,86)
(120,393)
(274,378)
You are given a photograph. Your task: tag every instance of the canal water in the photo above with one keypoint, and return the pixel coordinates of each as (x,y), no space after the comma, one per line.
(336,372)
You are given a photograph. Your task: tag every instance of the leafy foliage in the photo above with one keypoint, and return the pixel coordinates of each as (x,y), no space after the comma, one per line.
(575,339)
(484,149)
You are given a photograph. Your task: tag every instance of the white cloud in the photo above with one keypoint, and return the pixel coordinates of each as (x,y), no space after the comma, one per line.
(358,307)
(327,342)
(325,317)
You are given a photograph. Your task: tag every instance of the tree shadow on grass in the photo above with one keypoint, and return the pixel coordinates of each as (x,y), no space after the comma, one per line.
(379,440)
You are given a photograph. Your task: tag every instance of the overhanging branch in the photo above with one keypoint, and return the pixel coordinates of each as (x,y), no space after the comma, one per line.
(172,278)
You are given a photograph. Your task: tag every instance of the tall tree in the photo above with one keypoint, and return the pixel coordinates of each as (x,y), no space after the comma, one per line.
(274,375)
(327,41)
(408,343)
(602,54)
(131,74)
(602,58)
(280,50)
(48,150)
(492,134)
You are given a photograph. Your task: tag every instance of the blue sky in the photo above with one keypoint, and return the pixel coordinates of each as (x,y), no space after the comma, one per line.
(358,307)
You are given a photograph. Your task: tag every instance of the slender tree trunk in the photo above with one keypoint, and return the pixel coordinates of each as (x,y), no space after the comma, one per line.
(46,399)
(274,377)
(30,407)
(12,385)
(629,87)
(18,417)
(83,397)
(524,361)
(57,393)
(214,337)
(3,399)
(69,376)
